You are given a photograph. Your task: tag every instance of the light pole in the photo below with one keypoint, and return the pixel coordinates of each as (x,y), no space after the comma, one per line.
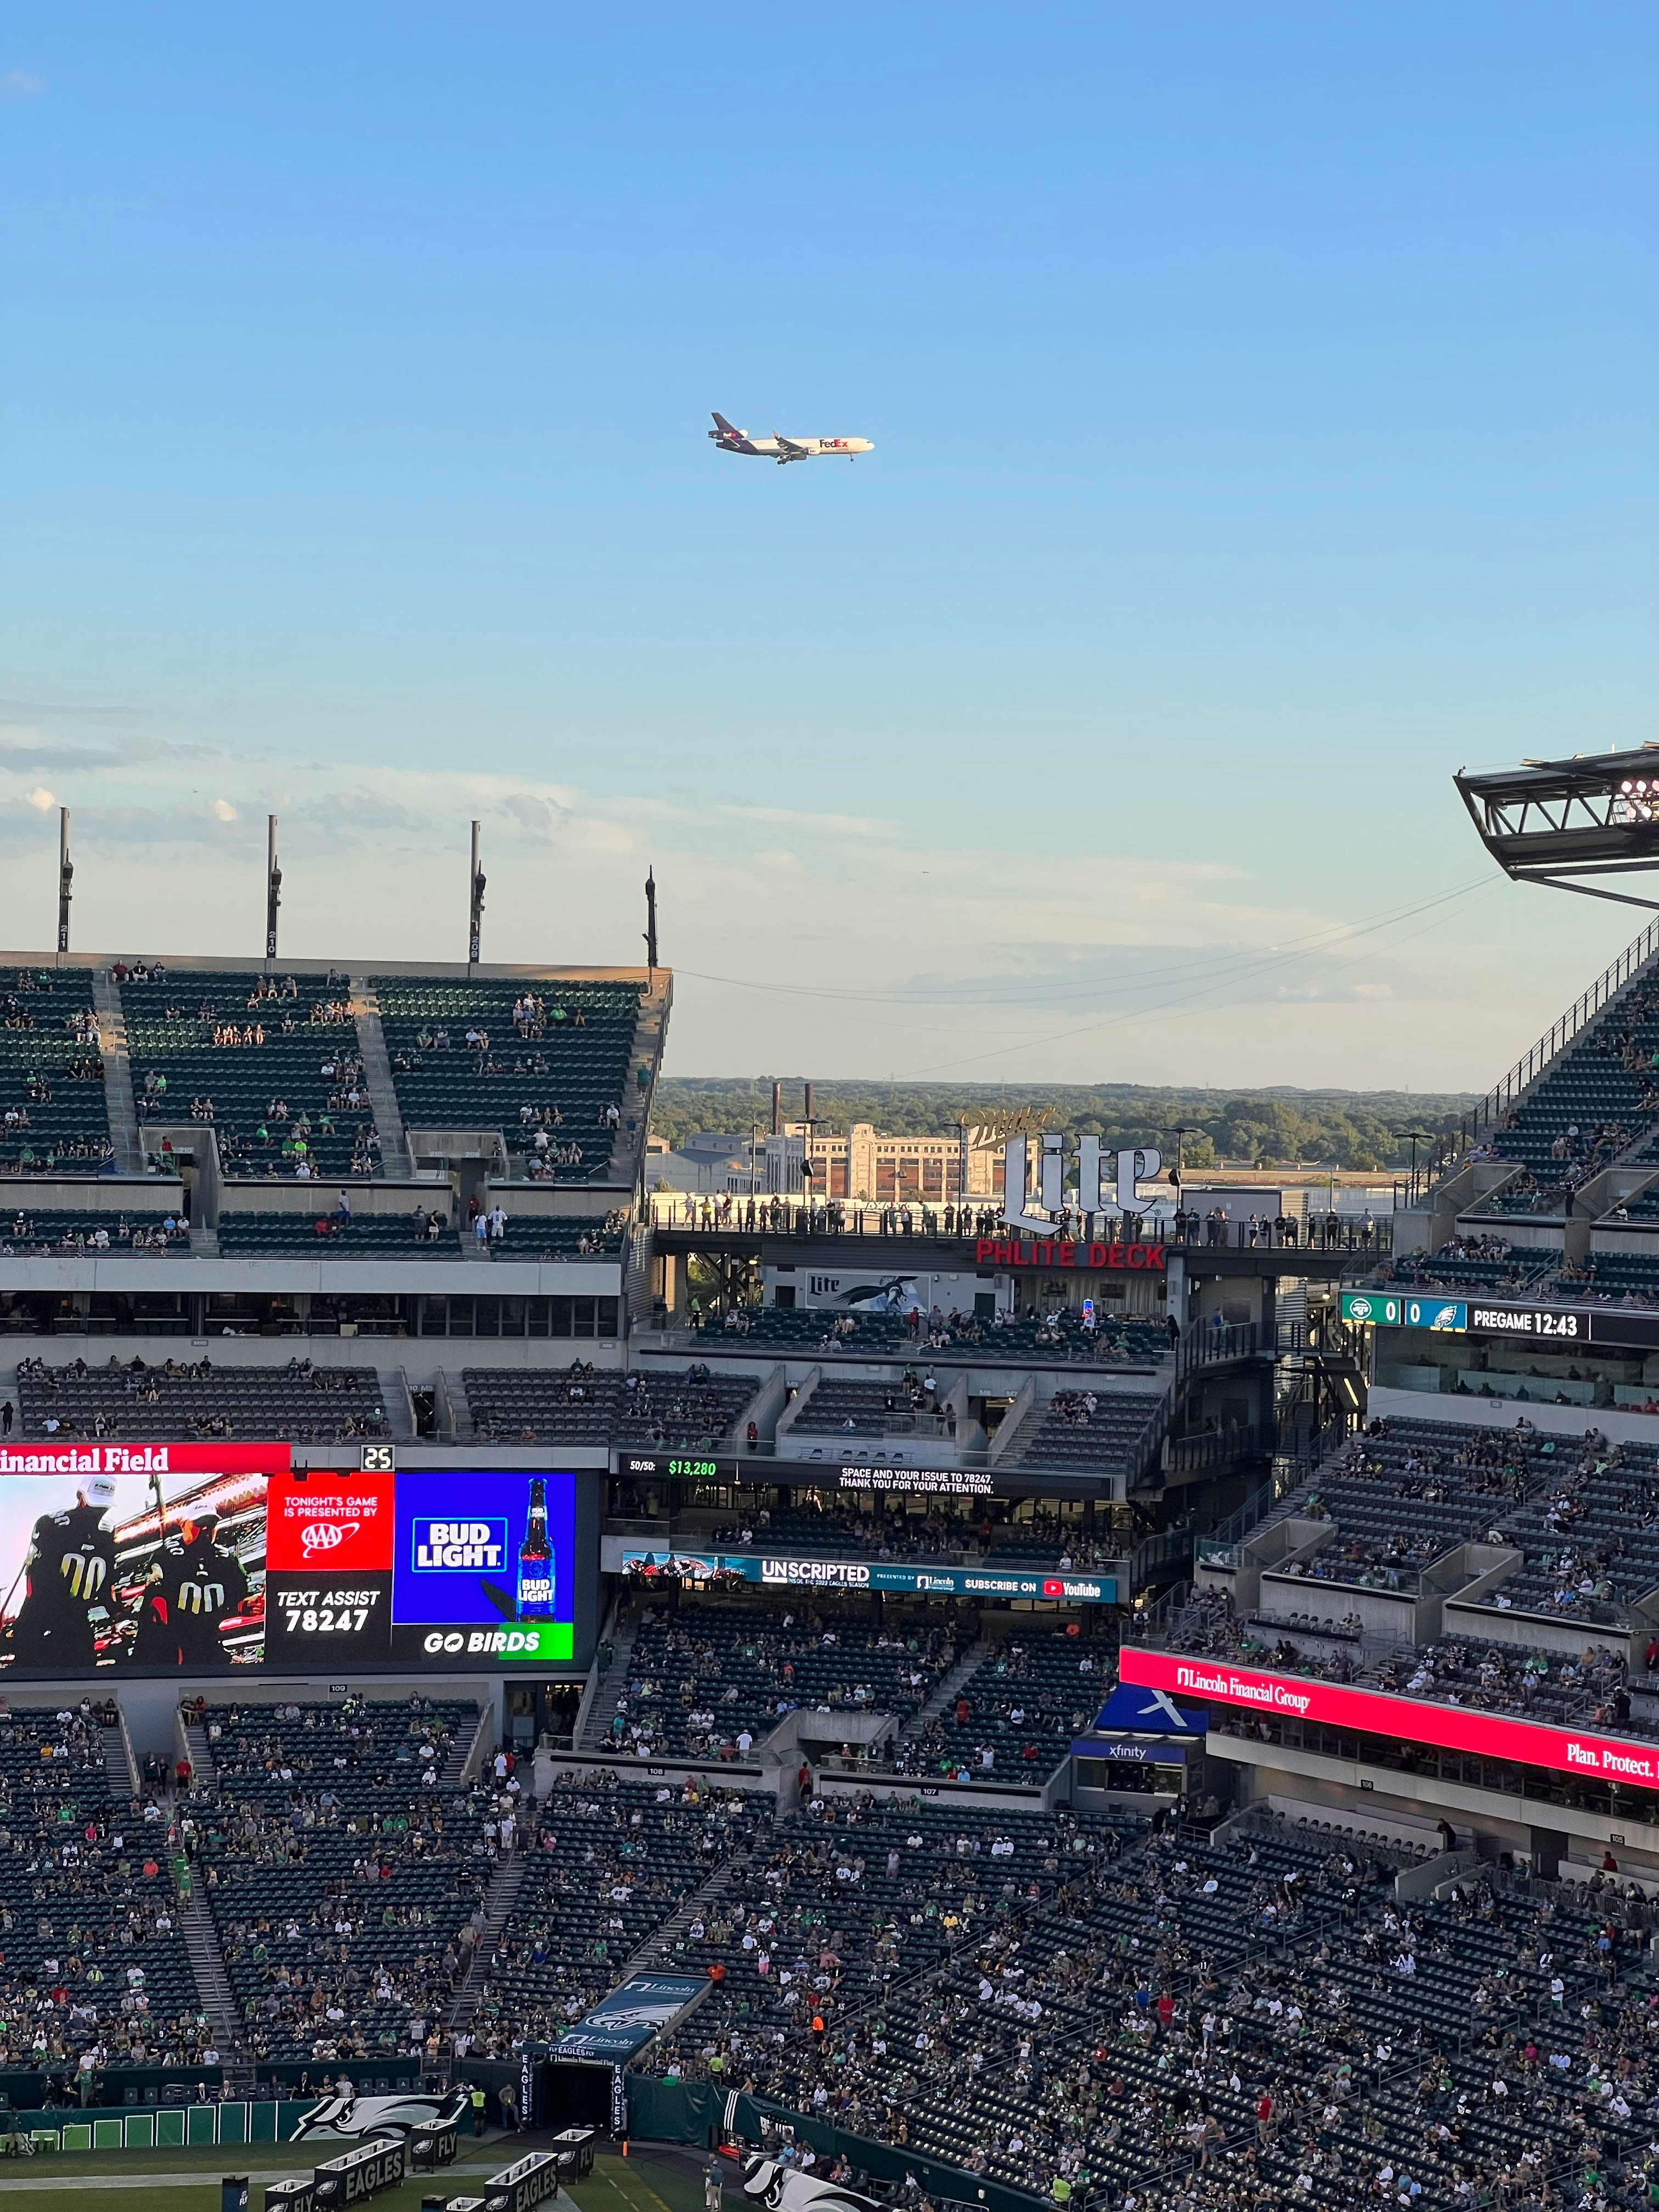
(1181,1131)
(1417,1137)
(475,920)
(66,882)
(273,889)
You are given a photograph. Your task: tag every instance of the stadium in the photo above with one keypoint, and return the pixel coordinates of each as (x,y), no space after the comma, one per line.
(1064,1687)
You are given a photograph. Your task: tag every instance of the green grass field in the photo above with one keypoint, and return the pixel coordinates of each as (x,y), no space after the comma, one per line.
(117,2178)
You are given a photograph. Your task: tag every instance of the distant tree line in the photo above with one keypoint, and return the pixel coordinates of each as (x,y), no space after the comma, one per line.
(1276,1127)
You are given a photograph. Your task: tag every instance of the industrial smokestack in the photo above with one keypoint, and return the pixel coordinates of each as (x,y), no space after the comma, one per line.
(807,1115)
(777,1110)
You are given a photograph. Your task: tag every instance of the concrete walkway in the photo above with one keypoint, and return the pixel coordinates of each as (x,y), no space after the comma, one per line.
(41,2175)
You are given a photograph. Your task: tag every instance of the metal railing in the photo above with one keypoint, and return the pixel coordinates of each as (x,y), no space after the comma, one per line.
(776,1216)
(1212,1447)
(1205,1344)
(1583,1010)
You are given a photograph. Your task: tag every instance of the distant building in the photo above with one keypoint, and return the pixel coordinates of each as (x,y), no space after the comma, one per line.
(864,1167)
(877,1170)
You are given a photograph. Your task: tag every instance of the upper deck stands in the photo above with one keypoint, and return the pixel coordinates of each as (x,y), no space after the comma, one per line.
(299,1402)
(53,1114)
(545,1061)
(272,1062)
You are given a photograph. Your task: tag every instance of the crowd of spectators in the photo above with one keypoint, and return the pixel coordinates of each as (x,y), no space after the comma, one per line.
(345,1868)
(32,1231)
(1145,2019)
(95,1970)
(1586,1687)
(609,1862)
(1093,2010)
(827,1522)
(1405,1491)
(712,1681)
(297,1402)
(1486,1261)
(1091,1338)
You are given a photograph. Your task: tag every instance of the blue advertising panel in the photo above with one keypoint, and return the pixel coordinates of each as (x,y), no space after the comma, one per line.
(620,2024)
(728,1570)
(483,1565)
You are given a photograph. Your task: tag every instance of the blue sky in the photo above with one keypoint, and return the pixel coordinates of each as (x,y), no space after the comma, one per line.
(1263,399)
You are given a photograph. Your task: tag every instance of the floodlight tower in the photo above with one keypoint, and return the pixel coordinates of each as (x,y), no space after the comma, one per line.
(1558,822)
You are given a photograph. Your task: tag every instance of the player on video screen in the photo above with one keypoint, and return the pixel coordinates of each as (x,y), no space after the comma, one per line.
(70,1571)
(194,1583)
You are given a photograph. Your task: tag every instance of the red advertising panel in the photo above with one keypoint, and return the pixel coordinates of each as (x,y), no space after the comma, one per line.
(340,1521)
(147,1460)
(328,1561)
(1407,1720)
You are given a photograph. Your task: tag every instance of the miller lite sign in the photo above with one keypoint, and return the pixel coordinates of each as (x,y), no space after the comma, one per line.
(1092,1196)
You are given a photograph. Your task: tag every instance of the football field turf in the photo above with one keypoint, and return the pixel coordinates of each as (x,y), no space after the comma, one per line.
(188,2181)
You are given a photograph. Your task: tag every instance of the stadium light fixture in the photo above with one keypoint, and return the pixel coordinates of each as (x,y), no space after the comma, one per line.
(66,882)
(1558,822)
(273,890)
(1180,1131)
(475,923)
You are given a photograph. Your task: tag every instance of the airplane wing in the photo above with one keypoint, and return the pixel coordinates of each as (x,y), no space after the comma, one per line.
(788,450)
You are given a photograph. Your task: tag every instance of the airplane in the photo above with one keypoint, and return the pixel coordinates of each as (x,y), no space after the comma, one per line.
(784,450)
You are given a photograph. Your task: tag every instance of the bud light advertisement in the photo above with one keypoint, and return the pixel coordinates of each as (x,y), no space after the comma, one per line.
(482,1568)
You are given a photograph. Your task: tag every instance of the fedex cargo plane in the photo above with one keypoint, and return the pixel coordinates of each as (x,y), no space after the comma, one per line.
(780,449)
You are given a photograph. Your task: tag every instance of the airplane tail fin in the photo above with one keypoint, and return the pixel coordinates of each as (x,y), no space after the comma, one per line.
(726,428)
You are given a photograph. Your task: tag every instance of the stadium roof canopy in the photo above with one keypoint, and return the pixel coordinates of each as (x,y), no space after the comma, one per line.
(1550,821)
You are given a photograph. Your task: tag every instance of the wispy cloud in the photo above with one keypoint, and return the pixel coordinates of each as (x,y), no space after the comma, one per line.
(18,84)
(784,921)
(24,756)
(831,825)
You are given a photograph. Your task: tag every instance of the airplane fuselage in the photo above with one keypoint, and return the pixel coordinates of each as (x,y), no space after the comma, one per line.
(780,449)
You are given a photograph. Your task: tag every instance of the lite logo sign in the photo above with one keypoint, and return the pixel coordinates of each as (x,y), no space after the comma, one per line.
(1092,1192)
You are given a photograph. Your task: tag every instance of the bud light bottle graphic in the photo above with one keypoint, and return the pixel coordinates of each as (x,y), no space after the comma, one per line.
(536,1560)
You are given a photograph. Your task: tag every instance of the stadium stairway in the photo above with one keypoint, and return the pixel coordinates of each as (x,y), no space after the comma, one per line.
(499,1900)
(468,1752)
(118,1074)
(455,1416)
(212,1982)
(202,1764)
(1019,1424)
(117,1761)
(596,1736)
(659,1940)
(395,1160)
(399,1405)
(945,1696)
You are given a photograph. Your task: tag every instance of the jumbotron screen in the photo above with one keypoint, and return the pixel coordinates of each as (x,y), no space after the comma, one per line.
(193,1559)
